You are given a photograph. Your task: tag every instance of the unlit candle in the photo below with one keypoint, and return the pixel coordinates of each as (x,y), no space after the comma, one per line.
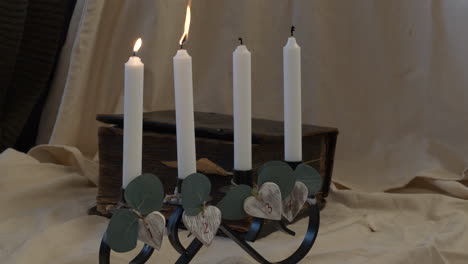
(242,109)
(292,101)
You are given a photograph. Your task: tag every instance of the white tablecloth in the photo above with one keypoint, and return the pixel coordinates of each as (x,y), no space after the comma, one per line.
(44,197)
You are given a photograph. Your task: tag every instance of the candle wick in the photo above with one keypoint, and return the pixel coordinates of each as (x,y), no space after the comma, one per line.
(241,41)
(293,28)
(134,54)
(183,41)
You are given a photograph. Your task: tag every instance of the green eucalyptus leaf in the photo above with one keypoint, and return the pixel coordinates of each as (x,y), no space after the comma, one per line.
(195,191)
(310,177)
(283,176)
(145,194)
(271,164)
(193,211)
(122,231)
(232,205)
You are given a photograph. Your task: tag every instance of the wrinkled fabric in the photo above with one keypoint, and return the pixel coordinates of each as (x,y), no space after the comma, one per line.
(67,156)
(388,74)
(44,201)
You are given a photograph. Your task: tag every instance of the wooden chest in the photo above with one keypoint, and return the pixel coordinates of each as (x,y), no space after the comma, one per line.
(214,141)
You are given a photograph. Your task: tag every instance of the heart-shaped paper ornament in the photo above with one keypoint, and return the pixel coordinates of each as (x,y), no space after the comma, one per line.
(267,204)
(151,229)
(294,202)
(204,225)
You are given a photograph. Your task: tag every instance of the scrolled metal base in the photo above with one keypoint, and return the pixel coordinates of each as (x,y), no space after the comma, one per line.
(187,254)
(298,255)
(105,251)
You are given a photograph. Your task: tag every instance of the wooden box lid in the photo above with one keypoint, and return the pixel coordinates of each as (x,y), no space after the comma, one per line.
(216,126)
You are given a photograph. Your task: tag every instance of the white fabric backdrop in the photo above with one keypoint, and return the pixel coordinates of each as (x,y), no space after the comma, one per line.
(388,74)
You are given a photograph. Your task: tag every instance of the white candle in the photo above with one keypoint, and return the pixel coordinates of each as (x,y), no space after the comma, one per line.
(242,109)
(133,118)
(292,101)
(183,83)
(186,160)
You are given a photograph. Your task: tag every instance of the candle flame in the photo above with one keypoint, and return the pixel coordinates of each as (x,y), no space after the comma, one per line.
(137,46)
(187,24)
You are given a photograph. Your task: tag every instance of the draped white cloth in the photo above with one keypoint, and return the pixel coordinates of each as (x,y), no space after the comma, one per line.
(44,220)
(388,74)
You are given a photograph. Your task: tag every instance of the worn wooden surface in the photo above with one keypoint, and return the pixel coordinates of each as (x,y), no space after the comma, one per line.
(214,142)
(216,126)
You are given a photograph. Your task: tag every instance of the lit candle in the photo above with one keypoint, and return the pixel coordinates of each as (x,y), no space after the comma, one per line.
(242,108)
(133,117)
(292,100)
(186,159)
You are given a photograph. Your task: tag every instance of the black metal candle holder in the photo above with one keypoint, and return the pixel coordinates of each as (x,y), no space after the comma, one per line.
(240,238)
(293,164)
(242,177)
